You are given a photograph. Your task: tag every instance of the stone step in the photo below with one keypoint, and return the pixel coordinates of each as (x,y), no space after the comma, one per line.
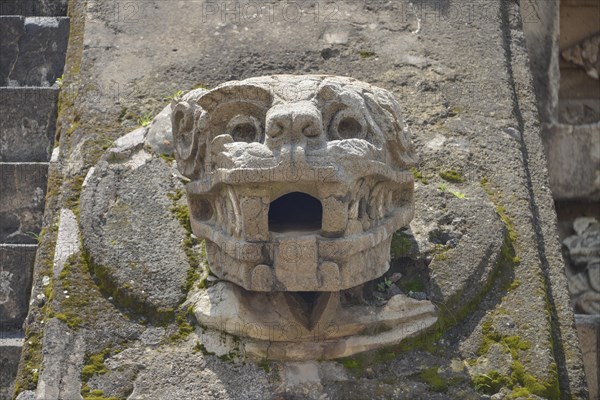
(32,50)
(22,196)
(28,122)
(16,270)
(33,7)
(11,344)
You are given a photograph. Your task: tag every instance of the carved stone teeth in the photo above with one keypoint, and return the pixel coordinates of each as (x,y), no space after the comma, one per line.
(261,278)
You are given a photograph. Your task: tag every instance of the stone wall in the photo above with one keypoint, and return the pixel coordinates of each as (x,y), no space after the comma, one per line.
(32,52)
(460,72)
(563,39)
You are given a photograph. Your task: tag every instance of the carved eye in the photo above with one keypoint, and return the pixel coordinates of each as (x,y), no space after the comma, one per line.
(348,124)
(244,128)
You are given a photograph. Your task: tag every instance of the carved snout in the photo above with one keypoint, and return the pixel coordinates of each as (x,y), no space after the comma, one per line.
(298,124)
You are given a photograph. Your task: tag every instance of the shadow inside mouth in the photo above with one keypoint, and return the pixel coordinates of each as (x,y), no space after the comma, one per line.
(295,212)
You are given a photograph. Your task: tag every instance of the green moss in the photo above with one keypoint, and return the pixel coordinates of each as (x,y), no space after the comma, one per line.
(72,128)
(401,245)
(433,379)
(411,285)
(31,361)
(190,244)
(265,365)
(522,383)
(451,176)
(72,320)
(167,158)
(358,363)
(184,328)
(352,364)
(366,54)
(122,294)
(418,176)
(200,85)
(511,344)
(31,355)
(94,365)
(454,111)
(491,382)
(71,191)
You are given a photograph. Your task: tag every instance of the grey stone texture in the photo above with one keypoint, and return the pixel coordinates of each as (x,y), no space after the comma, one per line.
(160,135)
(541,26)
(15,284)
(32,50)
(22,194)
(10,349)
(583,270)
(28,120)
(573,153)
(588,327)
(464,86)
(129,229)
(33,7)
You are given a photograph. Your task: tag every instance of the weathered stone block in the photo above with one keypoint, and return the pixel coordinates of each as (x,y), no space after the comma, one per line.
(22,195)
(588,328)
(33,7)
(573,160)
(10,352)
(33,50)
(16,270)
(28,121)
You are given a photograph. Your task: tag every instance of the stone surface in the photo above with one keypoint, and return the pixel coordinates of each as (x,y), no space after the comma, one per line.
(28,120)
(574,160)
(68,241)
(542,31)
(129,230)
(15,285)
(270,330)
(10,349)
(22,189)
(33,50)
(583,271)
(299,173)
(461,75)
(33,7)
(64,359)
(160,135)
(585,54)
(588,327)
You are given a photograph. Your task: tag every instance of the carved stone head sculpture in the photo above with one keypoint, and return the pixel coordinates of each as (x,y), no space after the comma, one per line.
(297,183)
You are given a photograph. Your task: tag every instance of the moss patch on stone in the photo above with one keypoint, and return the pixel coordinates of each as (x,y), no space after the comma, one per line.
(94,365)
(432,378)
(418,176)
(31,354)
(511,344)
(451,175)
(181,212)
(401,245)
(358,363)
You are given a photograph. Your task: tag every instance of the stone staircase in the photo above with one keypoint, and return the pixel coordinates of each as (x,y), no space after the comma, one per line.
(33,42)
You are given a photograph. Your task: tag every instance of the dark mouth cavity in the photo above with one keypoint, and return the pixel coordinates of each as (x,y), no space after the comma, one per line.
(295,212)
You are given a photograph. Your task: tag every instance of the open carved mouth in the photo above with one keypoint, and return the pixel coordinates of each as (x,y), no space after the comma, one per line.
(295,192)
(295,212)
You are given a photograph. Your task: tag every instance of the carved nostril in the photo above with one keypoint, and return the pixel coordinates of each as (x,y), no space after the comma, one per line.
(275,128)
(310,130)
